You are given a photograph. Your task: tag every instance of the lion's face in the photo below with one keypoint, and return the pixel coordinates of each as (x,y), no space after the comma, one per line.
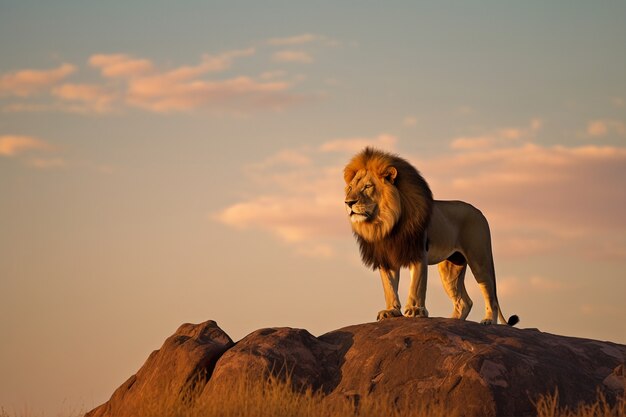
(372,202)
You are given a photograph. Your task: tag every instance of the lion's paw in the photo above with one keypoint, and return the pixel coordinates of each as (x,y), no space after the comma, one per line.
(486,322)
(416,312)
(387,314)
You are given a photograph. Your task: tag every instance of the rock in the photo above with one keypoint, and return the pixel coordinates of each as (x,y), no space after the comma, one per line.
(484,370)
(188,354)
(487,370)
(310,362)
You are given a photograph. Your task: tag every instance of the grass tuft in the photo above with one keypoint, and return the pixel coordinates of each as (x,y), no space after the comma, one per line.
(548,406)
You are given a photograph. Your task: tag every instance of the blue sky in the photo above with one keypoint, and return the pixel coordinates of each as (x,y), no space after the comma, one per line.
(165,162)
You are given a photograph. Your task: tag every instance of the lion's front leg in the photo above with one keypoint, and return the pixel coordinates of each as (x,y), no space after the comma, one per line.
(416,303)
(390,279)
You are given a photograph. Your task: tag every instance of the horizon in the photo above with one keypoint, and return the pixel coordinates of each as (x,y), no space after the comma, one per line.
(170,163)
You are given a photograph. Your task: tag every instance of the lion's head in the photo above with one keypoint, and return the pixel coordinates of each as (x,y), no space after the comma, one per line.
(372,202)
(389,204)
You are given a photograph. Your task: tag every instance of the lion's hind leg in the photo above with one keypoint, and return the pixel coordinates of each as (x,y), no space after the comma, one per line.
(452,272)
(486,278)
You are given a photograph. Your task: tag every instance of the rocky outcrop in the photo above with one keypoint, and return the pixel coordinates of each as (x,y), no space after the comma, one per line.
(485,370)
(188,354)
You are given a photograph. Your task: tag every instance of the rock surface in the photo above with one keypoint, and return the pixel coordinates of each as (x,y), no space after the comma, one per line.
(486,370)
(193,350)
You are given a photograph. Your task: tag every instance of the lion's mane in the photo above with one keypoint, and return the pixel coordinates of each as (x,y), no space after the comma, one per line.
(404,242)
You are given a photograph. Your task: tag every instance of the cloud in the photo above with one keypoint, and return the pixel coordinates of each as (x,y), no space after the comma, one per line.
(294,219)
(94,97)
(294,40)
(139,82)
(352,145)
(500,137)
(47,163)
(162,93)
(120,65)
(599,128)
(410,121)
(13,145)
(270,75)
(27,82)
(292,56)
(298,198)
(303,39)
(187,87)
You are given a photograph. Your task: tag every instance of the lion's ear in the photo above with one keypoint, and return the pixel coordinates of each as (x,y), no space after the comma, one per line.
(390,174)
(348,174)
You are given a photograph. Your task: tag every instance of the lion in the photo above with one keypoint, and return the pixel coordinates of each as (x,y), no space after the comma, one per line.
(397,224)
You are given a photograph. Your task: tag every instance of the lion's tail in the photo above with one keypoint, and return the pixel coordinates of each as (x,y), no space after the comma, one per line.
(512,321)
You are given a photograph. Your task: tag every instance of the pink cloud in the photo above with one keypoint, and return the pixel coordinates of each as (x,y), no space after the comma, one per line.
(95,97)
(162,93)
(292,56)
(476,142)
(352,145)
(499,137)
(120,65)
(12,145)
(294,40)
(187,88)
(138,82)
(27,82)
(599,128)
(294,219)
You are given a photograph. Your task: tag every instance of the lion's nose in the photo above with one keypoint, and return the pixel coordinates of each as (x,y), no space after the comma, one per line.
(350,202)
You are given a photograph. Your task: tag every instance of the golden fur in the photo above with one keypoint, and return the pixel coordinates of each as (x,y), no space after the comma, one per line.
(398,224)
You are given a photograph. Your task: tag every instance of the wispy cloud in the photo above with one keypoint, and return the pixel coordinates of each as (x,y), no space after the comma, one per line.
(120,65)
(499,137)
(13,145)
(292,56)
(186,87)
(294,40)
(131,81)
(383,141)
(91,96)
(27,82)
(600,128)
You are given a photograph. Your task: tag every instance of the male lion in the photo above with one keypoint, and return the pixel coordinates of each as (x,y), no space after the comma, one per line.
(398,224)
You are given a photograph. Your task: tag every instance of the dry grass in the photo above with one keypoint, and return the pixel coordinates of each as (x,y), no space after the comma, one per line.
(275,398)
(548,406)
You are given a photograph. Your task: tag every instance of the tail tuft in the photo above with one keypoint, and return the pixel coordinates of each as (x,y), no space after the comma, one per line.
(513,320)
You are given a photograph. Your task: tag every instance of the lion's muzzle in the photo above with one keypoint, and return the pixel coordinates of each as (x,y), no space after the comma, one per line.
(357,212)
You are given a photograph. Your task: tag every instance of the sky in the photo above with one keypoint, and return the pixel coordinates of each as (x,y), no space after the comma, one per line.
(170,162)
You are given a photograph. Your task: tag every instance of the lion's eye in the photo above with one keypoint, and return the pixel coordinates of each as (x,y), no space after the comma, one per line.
(368,186)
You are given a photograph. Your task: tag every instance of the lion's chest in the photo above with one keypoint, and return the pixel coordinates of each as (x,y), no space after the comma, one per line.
(393,252)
